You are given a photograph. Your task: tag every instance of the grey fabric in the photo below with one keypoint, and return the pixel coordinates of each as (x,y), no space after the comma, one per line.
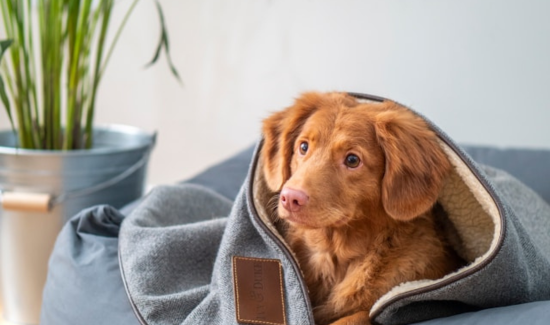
(518,272)
(533,313)
(226,178)
(84,284)
(172,291)
(178,224)
(530,166)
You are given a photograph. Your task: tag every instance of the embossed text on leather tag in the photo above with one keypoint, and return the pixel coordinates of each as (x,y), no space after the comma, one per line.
(258,284)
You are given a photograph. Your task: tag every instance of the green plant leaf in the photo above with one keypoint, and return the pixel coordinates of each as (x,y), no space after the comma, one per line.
(4,45)
(59,78)
(6,102)
(164,43)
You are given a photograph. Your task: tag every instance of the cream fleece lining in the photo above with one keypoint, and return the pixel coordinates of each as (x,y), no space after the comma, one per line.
(475,217)
(470,208)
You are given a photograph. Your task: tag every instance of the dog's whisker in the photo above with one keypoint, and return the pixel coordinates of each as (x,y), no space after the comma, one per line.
(271,207)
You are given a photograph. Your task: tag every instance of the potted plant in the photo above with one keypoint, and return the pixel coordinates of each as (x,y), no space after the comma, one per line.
(54,162)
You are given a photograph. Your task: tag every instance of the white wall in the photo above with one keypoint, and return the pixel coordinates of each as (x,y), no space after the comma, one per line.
(480,69)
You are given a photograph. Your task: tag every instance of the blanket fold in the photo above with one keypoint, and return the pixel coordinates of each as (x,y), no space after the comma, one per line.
(176,250)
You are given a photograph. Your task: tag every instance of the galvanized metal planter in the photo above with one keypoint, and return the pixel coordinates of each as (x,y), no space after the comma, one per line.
(41,190)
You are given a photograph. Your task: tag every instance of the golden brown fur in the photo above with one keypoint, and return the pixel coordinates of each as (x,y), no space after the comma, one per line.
(357,231)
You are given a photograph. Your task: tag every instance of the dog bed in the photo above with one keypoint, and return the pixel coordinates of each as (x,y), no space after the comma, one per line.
(180,256)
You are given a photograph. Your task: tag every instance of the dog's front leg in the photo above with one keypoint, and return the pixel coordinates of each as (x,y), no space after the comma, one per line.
(359,318)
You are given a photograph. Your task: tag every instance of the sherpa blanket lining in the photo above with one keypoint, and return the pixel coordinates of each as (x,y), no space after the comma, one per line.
(176,262)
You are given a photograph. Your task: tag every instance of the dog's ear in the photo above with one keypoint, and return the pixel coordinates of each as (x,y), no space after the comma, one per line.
(280,131)
(416,166)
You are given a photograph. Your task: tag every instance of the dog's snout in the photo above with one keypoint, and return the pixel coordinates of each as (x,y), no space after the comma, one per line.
(293,200)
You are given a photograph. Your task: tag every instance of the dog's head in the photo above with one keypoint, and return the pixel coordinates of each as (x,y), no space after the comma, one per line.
(334,160)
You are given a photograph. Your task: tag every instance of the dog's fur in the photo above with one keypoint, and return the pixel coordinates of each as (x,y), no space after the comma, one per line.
(363,230)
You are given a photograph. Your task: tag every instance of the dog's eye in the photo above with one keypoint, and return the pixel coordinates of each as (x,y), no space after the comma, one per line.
(303,148)
(352,161)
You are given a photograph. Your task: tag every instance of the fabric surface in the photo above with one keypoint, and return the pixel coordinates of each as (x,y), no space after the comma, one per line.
(530,166)
(227,177)
(179,229)
(516,273)
(84,284)
(195,293)
(533,313)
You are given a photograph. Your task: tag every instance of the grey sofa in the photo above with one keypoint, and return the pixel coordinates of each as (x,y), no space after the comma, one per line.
(84,284)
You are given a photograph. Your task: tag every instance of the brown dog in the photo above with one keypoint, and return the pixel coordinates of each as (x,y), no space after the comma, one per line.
(357,183)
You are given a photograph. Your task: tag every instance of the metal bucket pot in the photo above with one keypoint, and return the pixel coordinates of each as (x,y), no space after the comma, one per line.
(41,190)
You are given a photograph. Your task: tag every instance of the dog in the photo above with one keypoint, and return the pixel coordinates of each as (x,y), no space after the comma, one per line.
(356,184)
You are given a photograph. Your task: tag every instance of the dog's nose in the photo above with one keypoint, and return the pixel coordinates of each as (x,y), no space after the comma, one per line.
(293,200)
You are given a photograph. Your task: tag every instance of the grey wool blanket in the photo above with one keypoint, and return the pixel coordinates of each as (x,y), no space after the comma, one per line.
(189,256)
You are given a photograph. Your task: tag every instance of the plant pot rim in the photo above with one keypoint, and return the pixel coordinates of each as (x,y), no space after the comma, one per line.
(140,139)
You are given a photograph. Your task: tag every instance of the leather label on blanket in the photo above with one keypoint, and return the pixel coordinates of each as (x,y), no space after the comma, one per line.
(258,284)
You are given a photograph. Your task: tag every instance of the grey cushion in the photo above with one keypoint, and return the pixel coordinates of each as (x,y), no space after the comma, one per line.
(84,284)
(227,177)
(533,313)
(530,166)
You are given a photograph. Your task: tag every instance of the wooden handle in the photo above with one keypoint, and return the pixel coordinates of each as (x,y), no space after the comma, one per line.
(30,202)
